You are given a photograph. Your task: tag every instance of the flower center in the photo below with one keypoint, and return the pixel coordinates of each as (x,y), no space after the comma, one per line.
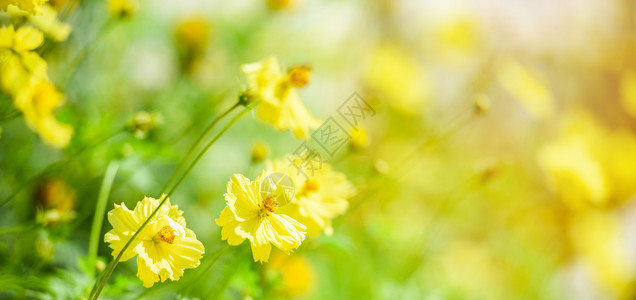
(310,186)
(299,76)
(166,234)
(269,206)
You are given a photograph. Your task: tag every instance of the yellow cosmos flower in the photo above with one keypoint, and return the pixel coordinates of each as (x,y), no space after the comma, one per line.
(23,76)
(122,8)
(296,273)
(47,21)
(164,248)
(253,215)
(318,199)
(32,6)
(575,172)
(359,138)
(281,106)
(393,74)
(37,105)
(599,239)
(20,67)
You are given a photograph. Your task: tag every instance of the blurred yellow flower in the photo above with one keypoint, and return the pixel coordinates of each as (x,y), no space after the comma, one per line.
(393,73)
(21,67)
(574,172)
(589,164)
(23,76)
(55,201)
(260,151)
(32,6)
(628,92)
(37,105)
(164,248)
(527,87)
(253,215)
(318,199)
(47,21)
(59,4)
(359,138)
(281,106)
(598,239)
(296,273)
(192,38)
(192,33)
(122,8)
(458,37)
(278,4)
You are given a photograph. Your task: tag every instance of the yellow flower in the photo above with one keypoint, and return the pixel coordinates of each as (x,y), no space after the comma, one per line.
(32,6)
(393,74)
(47,21)
(279,4)
(599,239)
(192,37)
(318,199)
(23,77)
(590,165)
(260,151)
(628,92)
(281,106)
(253,215)
(20,67)
(458,36)
(56,202)
(37,105)
(122,8)
(296,273)
(192,34)
(359,138)
(575,172)
(164,248)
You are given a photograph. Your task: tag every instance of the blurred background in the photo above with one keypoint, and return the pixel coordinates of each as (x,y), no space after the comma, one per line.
(500,163)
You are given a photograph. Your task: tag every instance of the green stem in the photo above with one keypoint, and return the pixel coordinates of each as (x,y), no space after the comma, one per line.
(196,145)
(99,285)
(100,208)
(205,149)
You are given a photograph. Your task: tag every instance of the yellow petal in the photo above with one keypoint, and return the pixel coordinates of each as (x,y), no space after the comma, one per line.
(261,252)
(28,38)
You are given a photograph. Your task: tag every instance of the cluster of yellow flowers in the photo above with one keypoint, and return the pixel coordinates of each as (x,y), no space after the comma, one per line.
(23,73)
(265,218)
(263,211)
(32,6)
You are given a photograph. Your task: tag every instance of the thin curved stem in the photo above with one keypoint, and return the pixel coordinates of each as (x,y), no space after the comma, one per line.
(196,145)
(99,285)
(205,149)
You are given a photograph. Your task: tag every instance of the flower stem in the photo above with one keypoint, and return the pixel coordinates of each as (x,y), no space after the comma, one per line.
(210,143)
(100,208)
(195,146)
(101,282)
